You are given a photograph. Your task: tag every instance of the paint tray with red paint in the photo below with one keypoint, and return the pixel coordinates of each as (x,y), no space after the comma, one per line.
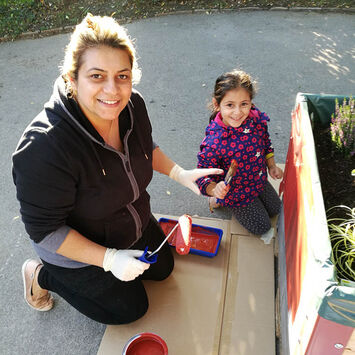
(205,241)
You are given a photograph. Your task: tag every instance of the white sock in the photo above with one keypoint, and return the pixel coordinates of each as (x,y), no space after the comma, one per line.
(266,237)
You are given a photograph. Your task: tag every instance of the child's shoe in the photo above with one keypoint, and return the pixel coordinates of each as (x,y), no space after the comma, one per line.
(212,203)
(266,237)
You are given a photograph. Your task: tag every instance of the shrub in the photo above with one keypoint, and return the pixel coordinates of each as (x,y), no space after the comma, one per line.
(16,16)
(342,237)
(342,127)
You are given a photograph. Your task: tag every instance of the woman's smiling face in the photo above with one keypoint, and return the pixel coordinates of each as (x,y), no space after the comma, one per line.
(104,83)
(234,107)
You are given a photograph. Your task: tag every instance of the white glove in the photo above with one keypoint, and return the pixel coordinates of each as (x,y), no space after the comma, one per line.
(188,177)
(123,263)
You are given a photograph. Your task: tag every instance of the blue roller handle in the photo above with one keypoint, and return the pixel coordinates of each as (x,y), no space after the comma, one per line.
(145,257)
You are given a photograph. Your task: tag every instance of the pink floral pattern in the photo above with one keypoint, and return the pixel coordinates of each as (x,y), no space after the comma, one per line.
(249,145)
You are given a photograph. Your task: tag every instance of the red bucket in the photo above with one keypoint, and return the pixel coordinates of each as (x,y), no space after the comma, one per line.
(145,344)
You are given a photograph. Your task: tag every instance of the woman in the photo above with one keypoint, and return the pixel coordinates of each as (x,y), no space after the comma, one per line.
(81,170)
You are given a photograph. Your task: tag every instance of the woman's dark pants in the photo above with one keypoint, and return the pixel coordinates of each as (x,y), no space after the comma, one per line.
(100,295)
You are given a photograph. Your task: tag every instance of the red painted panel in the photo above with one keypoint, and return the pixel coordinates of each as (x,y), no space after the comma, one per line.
(294,214)
(326,334)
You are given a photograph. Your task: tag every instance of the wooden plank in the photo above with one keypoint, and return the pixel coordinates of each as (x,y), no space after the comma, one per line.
(249,322)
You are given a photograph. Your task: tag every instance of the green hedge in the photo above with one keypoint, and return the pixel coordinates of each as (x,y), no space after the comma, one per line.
(19,16)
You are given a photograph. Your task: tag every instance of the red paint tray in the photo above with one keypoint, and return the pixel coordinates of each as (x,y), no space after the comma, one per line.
(205,241)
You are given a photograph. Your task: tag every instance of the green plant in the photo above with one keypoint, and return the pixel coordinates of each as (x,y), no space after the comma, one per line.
(19,16)
(342,127)
(16,16)
(342,237)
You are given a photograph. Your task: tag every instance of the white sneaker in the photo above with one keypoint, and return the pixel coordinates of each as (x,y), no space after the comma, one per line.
(212,203)
(266,237)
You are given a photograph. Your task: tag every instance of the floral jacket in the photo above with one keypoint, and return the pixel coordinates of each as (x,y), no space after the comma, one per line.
(249,145)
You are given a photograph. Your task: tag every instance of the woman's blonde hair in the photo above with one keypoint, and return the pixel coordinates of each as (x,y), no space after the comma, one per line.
(95,31)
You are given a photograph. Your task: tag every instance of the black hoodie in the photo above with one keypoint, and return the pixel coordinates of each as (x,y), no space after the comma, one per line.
(65,174)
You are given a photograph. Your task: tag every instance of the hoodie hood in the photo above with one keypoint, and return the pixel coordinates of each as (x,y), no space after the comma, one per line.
(67,108)
(62,105)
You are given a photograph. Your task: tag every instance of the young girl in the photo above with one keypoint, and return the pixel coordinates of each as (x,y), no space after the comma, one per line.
(238,131)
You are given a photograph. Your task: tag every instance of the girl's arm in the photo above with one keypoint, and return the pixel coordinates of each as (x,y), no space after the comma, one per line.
(210,188)
(274,171)
(208,158)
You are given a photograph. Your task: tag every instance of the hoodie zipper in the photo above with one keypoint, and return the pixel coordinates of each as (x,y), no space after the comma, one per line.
(135,188)
(125,161)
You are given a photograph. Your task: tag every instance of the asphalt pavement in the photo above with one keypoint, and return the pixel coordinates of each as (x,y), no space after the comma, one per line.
(180,56)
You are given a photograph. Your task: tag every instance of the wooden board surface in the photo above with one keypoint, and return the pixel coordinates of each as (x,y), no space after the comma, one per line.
(186,309)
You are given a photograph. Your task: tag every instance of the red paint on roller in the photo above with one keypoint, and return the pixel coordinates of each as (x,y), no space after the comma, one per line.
(201,238)
(183,235)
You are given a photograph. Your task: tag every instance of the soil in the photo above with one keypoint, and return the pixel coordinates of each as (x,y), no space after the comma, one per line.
(338,186)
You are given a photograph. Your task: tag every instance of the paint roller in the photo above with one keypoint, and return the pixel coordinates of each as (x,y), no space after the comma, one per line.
(182,240)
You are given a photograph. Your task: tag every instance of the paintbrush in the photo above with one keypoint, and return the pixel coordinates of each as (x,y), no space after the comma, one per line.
(231,172)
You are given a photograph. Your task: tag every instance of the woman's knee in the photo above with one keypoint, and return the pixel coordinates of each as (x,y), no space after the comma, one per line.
(168,268)
(163,274)
(133,313)
(127,310)
(162,269)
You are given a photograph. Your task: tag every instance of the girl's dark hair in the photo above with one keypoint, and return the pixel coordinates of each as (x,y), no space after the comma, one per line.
(234,79)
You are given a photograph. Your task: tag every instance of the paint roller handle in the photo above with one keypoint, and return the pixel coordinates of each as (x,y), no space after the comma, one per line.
(146,257)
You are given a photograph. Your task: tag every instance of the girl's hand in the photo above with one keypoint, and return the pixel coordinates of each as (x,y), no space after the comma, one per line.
(220,190)
(275,172)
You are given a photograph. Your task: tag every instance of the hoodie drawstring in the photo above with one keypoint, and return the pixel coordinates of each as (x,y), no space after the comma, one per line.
(97,157)
(138,133)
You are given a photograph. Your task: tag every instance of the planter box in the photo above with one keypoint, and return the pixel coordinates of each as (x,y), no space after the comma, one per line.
(316,314)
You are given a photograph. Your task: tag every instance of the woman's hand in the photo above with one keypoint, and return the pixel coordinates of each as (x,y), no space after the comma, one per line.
(164,165)
(124,263)
(275,172)
(188,177)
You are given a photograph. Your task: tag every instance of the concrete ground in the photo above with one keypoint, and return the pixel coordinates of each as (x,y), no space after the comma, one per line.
(180,56)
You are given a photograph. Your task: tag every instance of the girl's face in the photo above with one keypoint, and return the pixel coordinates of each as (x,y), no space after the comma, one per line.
(104,83)
(234,107)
